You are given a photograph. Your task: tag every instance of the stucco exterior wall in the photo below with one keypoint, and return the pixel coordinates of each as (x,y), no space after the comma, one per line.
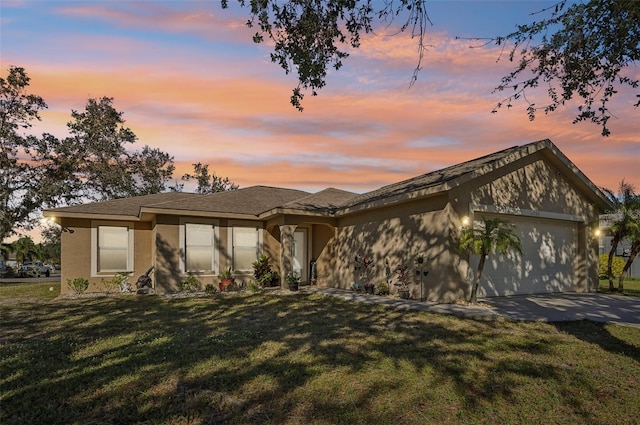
(75,260)
(78,249)
(396,235)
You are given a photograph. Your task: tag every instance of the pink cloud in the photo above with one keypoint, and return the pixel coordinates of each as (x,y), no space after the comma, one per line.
(358,134)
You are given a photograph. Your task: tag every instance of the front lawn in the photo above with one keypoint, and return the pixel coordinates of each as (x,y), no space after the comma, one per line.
(631,286)
(303,359)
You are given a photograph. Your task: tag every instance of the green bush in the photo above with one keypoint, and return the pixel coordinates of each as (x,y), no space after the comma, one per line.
(190,284)
(254,287)
(263,273)
(616,266)
(78,285)
(209,289)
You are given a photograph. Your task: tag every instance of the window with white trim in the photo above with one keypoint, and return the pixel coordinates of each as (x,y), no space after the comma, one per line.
(199,247)
(113,249)
(245,247)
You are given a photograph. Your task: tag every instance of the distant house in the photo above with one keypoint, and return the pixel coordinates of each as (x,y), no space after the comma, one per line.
(554,206)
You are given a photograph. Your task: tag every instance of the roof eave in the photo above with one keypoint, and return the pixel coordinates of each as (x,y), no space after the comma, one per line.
(93,216)
(195,213)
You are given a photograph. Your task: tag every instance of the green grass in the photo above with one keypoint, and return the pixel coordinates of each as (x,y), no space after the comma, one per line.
(303,359)
(631,286)
(23,290)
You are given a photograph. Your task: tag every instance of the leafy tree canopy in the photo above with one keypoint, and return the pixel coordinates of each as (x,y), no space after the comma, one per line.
(582,51)
(92,163)
(208,182)
(579,50)
(95,162)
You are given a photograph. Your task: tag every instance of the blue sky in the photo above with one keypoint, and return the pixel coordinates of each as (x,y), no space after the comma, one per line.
(190,81)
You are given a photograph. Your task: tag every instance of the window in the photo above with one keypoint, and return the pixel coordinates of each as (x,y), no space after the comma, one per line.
(113,249)
(245,247)
(199,247)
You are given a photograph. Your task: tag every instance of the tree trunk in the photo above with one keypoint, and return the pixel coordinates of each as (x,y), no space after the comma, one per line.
(476,282)
(635,249)
(614,246)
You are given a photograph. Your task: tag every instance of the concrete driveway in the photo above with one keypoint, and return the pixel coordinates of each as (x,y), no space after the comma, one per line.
(568,306)
(542,307)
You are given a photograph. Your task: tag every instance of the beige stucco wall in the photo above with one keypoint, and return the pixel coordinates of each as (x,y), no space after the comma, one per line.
(77,251)
(167,246)
(430,227)
(397,234)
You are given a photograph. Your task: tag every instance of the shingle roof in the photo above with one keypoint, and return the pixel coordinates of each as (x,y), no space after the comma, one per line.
(325,200)
(126,206)
(257,200)
(434,178)
(252,200)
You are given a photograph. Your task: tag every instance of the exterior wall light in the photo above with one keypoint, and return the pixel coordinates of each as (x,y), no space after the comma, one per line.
(465,221)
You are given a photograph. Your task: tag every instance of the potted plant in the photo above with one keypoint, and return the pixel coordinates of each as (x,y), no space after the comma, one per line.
(226,279)
(366,272)
(383,288)
(293,279)
(402,283)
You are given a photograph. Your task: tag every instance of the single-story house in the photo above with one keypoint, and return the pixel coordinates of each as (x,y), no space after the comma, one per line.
(553,205)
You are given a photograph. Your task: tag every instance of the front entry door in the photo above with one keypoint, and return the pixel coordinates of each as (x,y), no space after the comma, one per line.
(300,260)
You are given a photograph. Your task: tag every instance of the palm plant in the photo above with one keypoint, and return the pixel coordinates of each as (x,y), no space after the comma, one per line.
(626,205)
(24,249)
(493,235)
(634,237)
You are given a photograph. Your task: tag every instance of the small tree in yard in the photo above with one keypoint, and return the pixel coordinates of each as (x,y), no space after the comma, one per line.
(634,237)
(493,235)
(627,206)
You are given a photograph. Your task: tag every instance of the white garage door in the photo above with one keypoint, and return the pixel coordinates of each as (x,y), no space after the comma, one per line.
(547,263)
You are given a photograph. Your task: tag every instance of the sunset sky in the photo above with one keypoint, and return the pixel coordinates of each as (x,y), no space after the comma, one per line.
(191,82)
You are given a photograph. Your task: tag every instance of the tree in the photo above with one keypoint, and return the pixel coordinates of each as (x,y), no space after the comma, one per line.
(93,163)
(5,250)
(311,36)
(492,236)
(101,165)
(21,175)
(209,183)
(580,50)
(52,243)
(634,237)
(24,248)
(626,205)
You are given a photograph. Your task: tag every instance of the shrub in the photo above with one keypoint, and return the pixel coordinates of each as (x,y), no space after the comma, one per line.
(78,285)
(263,273)
(616,266)
(119,282)
(209,289)
(190,284)
(254,287)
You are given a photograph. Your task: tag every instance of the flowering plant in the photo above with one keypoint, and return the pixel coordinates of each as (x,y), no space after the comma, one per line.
(403,277)
(366,267)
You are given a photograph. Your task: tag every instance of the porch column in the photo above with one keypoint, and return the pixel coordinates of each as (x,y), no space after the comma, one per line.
(286,251)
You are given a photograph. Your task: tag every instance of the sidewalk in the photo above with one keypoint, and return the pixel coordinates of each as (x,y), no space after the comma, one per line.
(470,312)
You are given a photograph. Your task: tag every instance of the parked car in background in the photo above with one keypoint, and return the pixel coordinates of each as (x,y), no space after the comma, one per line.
(34,269)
